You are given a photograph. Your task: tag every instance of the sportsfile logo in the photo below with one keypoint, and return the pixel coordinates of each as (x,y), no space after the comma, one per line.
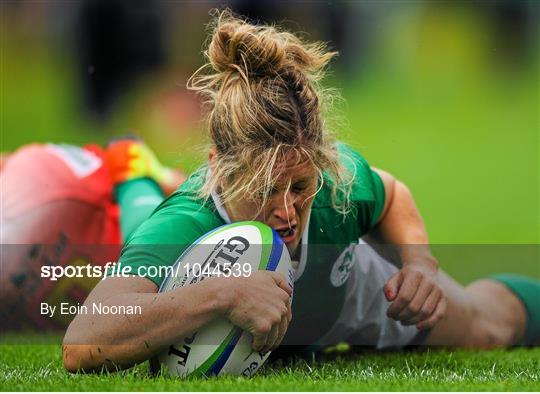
(55,272)
(221,262)
(110,269)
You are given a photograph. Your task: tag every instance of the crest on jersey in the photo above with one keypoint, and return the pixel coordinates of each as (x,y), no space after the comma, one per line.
(342,267)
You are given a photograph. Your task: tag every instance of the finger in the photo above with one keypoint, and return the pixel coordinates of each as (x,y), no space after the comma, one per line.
(405,295)
(289,307)
(272,337)
(282,295)
(427,309)
(410,311)
(392,286)
(435,317)
(259,340)
(281,332)
(281,282)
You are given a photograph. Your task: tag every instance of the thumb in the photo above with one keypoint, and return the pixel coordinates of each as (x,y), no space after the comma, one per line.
(391,287)
(281,282)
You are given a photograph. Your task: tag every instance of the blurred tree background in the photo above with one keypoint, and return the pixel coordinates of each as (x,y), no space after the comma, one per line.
(443,94)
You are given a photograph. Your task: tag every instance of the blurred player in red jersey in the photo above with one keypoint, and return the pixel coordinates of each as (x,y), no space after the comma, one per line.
(61,206)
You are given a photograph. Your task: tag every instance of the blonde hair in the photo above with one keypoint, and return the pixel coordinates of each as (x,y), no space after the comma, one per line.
(265,105)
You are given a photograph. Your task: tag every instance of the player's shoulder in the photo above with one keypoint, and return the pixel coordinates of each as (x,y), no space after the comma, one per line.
(354,162)
(349,156)
(184,214)
(187,199)
(359,179)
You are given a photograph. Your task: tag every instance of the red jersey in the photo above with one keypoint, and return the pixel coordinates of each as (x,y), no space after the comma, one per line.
(57,208)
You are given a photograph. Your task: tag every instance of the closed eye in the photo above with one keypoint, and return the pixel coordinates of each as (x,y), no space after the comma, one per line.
(299,188)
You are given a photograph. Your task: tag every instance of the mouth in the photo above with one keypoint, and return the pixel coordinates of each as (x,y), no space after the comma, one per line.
(287,234)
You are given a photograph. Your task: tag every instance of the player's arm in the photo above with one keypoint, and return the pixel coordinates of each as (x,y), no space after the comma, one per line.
(415,294)
(96,340)
(114,341)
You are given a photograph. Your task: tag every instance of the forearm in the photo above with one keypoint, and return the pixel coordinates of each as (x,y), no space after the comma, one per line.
(94,341)
(403,226)
(413,291)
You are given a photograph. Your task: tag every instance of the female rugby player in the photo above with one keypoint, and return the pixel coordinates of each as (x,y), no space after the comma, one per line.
(273,160)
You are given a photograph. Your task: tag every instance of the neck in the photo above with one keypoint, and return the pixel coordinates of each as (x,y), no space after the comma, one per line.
(296,254)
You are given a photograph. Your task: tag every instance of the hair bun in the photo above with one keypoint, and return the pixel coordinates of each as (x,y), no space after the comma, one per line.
(259,50)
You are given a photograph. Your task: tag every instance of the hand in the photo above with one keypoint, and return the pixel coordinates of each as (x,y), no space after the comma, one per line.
(260,304)
(416,297)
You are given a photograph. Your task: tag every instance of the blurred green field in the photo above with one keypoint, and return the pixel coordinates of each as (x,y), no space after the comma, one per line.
(436,105)
(459,128)
(465,140)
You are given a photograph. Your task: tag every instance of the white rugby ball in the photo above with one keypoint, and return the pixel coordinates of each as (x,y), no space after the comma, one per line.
(220,347)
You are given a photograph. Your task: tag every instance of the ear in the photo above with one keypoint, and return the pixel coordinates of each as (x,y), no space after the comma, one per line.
(212,153)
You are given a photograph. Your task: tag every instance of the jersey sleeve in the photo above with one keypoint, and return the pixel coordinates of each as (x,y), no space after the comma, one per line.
(161,239)
(367,194)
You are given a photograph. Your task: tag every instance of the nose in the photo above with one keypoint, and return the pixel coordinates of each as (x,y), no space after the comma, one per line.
(284,207)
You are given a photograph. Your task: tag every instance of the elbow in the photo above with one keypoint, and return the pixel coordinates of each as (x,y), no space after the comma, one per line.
(72,358)
(89,359)
(79,359)
(77,353)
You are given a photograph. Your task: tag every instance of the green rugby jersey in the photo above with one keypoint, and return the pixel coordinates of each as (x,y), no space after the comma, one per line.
(318,293)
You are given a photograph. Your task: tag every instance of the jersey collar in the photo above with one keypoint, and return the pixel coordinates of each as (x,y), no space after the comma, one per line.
(220,208)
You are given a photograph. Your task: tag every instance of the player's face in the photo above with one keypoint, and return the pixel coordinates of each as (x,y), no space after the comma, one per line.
(287,209)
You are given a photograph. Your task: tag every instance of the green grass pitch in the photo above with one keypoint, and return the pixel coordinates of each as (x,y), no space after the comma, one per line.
(459,131)
(39,368)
